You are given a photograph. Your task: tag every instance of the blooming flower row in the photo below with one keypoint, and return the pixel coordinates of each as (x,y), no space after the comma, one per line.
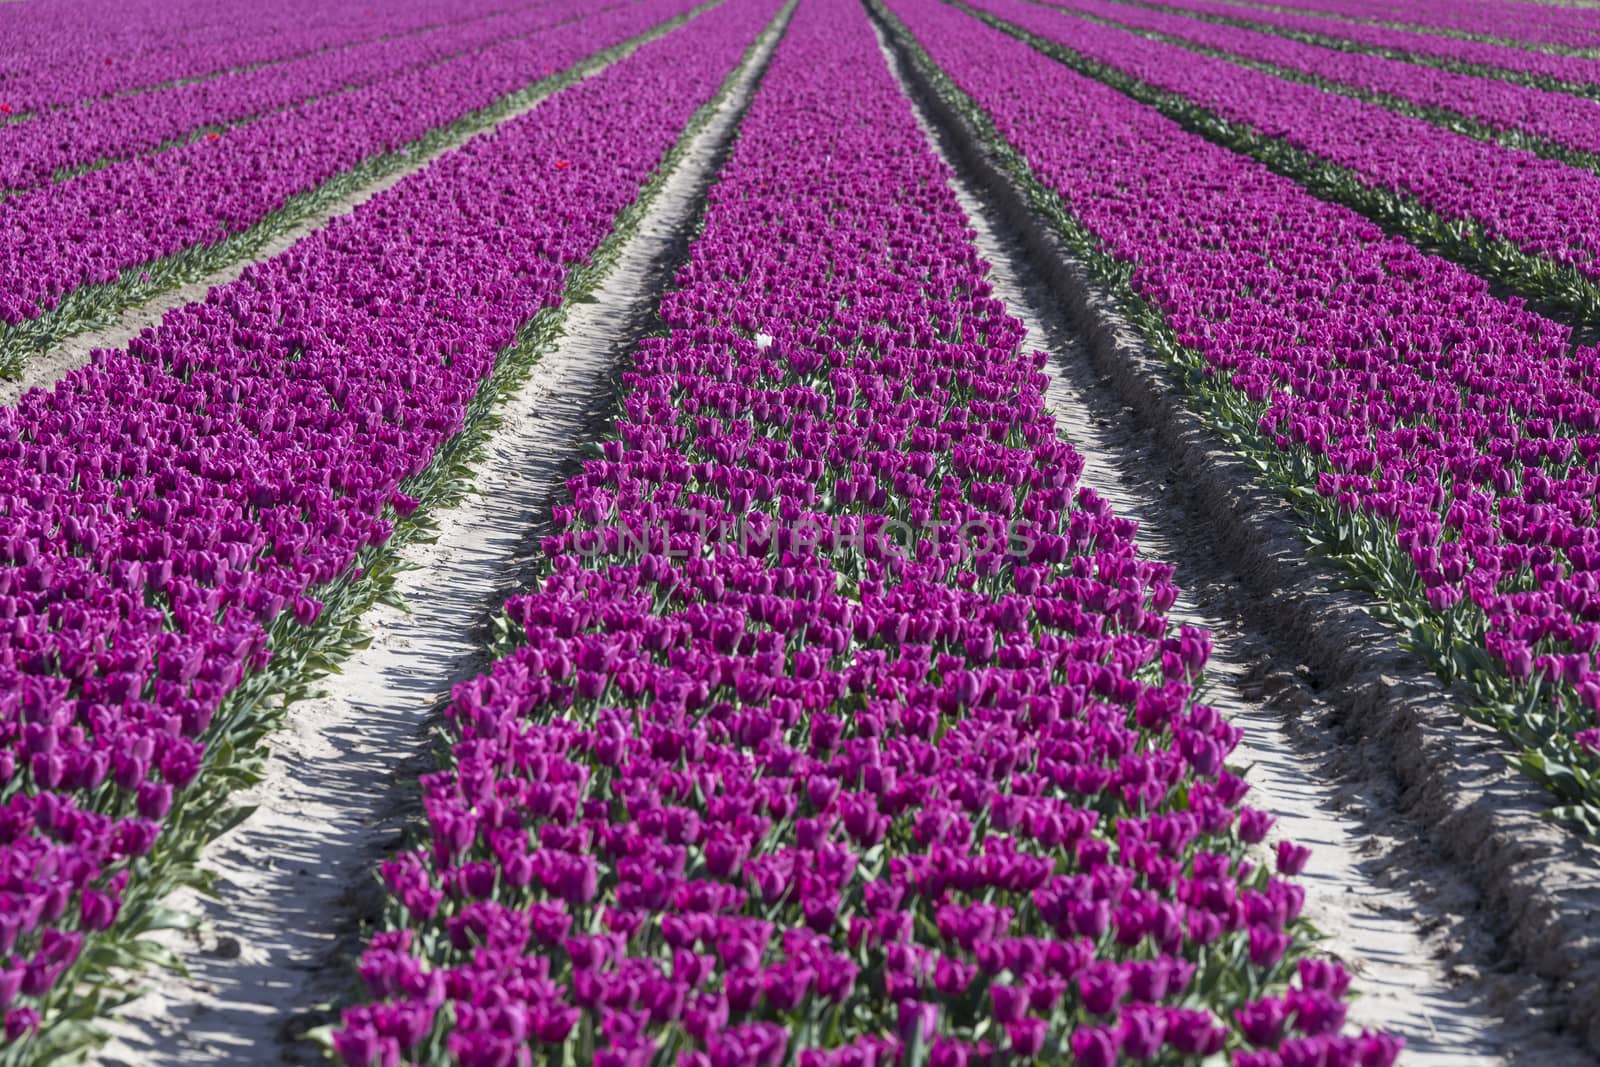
(1571,70)
(167,508)
(66,54)
(1542,206)
(1567,120)
(793,797)
(1533,22)
(93,228)
(1460,428)
(32,152)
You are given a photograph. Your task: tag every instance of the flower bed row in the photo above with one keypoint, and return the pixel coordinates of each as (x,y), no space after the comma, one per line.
(1524,217)
(1573,74)
(60,55)
(1444,441)
(72,139)
(1528,23)
(188,527)
(1478,17)
(843,726)
(72,254)
(1559,118)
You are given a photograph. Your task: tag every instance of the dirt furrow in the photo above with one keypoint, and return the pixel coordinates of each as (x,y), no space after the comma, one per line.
(1393,909)
(296,879)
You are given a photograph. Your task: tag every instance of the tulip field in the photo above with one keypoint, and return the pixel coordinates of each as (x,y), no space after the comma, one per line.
(904,533)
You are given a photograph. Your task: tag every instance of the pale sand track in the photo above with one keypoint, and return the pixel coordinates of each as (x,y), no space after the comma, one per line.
(296,878)
(1415,954)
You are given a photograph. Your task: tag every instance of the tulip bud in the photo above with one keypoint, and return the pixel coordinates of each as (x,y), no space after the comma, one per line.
(1292,858)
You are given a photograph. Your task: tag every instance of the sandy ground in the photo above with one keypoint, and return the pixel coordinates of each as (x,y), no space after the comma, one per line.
(1397,945)
(297,875)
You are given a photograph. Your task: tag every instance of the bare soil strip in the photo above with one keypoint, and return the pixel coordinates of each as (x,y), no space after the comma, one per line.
(1347,740)
(296,879)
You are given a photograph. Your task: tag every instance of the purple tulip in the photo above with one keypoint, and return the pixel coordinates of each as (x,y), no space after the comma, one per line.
(1292,858)
(1267,945)
(1254,825)
(1026,1036)
(1103,986)
(1094,1046)
(1009,1003)
(19,1022)
(1143,1033)
(1262,1021)
(916,1020)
